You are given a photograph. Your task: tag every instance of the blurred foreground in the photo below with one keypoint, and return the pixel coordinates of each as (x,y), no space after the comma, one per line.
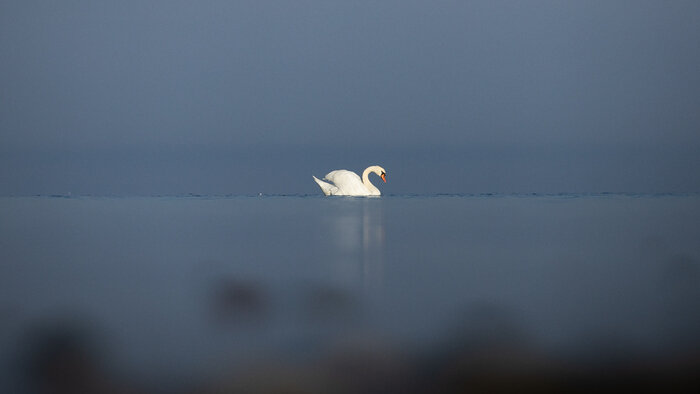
(67,358)
(311,295)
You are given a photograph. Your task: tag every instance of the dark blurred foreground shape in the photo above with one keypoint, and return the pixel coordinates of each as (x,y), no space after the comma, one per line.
(63,357)
(485,351)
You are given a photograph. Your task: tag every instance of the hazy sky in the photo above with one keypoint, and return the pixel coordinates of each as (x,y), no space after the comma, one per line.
(157,97)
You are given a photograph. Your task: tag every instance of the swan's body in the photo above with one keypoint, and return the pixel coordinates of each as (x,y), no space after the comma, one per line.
(347,183)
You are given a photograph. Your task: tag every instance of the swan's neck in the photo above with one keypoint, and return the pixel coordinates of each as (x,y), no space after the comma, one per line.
(365,179)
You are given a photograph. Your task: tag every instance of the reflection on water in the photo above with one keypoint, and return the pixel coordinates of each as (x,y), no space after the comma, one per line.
(372,243)
(357,231)
(368,294)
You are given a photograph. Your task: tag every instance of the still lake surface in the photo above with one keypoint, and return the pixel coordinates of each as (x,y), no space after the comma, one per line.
(183,286)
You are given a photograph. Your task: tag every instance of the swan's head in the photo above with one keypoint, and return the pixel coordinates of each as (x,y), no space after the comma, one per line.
(380,171)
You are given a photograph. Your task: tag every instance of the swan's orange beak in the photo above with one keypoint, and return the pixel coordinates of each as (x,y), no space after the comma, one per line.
(384,177)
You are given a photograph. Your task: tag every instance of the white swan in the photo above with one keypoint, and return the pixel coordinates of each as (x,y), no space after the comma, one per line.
(347,183)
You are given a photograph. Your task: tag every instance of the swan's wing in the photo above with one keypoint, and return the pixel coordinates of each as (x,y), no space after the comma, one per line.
(343,177)
(347,182)
(327,188)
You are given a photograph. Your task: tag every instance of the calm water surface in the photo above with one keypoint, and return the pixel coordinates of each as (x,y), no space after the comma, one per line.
(187,286)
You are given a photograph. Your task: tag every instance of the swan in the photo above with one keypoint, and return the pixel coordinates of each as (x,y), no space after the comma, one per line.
(347,183)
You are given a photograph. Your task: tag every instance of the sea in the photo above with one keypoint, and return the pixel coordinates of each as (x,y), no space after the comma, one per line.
(190,292)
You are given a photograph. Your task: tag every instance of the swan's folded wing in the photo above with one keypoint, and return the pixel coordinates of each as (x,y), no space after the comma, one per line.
(343,177)
(347,182)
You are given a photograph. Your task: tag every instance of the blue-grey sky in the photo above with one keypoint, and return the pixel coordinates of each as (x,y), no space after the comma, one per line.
(159,97)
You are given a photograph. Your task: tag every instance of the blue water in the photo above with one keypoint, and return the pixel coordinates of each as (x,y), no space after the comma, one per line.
(194,286)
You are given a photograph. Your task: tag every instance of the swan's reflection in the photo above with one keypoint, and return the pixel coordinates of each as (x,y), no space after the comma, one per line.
(372,243)
(358,235)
